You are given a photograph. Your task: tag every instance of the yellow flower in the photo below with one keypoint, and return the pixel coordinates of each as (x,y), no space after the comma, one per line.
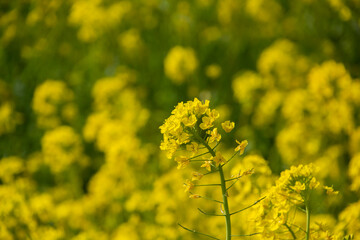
(330,190)
(188,185)
(193,147)
(213,71)
(313,183)
(244,173)
(177,129)
(196,176)
(201,108)
(182,162)
(228,126)
(207,123)
(218,159)
(214,135)
(180,63)
(213,114)
(242,146)
(193,196)
(189,121)
(207,165)
(298,187)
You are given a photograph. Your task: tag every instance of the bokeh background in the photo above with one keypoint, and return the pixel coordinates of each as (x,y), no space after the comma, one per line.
(85,85)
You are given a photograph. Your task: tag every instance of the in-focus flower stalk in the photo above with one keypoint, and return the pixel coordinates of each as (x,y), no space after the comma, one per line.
(191,127)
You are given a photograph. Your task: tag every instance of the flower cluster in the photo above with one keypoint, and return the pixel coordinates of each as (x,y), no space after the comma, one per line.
(292,191)
(190,125)
(180,63)
(53,104)
(192,129)
(187,123)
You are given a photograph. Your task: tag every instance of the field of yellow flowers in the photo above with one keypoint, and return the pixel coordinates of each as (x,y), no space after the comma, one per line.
(177,120)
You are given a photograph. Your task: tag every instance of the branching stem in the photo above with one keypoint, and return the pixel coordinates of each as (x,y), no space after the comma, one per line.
(290,230)
(248,206)
(210,214)
(223,188)
(194,231)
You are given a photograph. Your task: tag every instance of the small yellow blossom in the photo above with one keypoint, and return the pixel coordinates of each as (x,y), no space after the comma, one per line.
(213,71)
(193,147)
(189,121)
(188,185)
(193,196)
(218,159)
(180,63)
(313,183)
(207,123)
(330,190)
(242,146)
(182,161)
(228,126)
(213,114)
(207,165)
(200,107)
(244,173)
(298,187)
(214,135)
(196,176)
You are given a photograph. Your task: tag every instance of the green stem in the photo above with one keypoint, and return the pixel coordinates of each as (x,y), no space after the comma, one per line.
(290,230)
(307,221)
(226,205)
(223,189)
(194,231)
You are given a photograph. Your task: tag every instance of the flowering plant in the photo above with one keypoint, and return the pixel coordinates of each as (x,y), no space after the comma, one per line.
(190,129)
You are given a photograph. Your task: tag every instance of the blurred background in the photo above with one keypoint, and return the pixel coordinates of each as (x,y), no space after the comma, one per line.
(85,85)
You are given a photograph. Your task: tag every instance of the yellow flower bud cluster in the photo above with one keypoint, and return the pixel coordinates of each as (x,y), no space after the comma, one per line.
(191,125)
(61,148)
(180,63)
(296,182)
(292,190)
(186,118)
(53,103)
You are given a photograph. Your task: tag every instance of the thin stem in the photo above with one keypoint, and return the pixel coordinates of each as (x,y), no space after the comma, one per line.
(230,158)
(194,231)
(223,189)
(197,160)
(290,230)
(249,206)
(307,221)
(217,144)
(232,185)
(210,172)
(300,228)
(226,205)
(199,155)
(232,179)
(210,214)
(207,185)
(211,199)
(245,235)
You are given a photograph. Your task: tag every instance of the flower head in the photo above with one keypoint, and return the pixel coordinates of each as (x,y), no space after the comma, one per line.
(241,147)
(330,190)
(218,159)
(188,185)
(196,176)
(228,126)
(188,123)
(207,165)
